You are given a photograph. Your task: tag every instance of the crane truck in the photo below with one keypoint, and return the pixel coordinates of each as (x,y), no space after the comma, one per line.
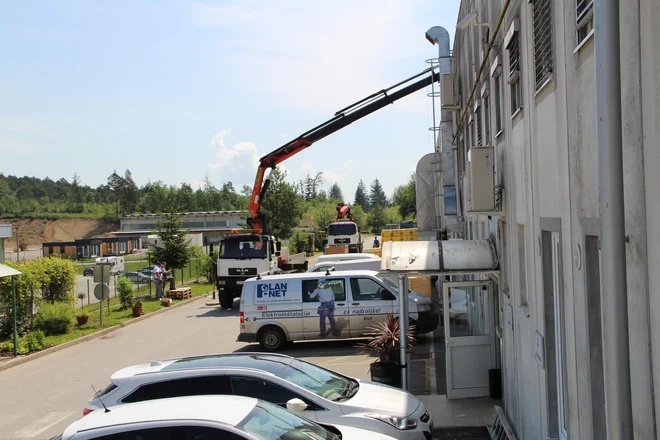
(344,230)
(246,254)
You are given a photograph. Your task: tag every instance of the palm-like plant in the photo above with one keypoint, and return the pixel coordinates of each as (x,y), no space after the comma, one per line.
(386,339)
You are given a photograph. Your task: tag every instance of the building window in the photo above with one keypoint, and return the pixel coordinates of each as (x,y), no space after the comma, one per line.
(584,19)
(542,28)
(136,244)
(498,102)
(477,116)
(50,249)
(62,249)
(95,250)
(487,118)
(513,48)
(123,247)
(522,266)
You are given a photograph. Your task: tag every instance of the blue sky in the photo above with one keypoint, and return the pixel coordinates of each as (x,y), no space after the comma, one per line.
(176,90)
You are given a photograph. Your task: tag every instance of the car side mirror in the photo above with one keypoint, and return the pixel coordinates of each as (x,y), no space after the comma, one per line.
(278,253)
(296,405)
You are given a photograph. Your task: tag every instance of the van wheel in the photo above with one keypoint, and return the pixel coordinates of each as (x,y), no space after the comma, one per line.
(272,338)
(226,298)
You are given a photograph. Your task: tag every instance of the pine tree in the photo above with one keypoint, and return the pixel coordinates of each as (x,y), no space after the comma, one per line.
(175,250)
(335,192)
(361,197)
(377,196)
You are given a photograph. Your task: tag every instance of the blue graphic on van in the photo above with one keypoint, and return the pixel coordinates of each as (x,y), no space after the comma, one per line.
(277,290)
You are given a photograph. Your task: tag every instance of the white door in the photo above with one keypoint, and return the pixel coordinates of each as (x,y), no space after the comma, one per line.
(469,337)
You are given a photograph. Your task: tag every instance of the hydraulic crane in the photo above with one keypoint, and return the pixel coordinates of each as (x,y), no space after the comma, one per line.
(341,119)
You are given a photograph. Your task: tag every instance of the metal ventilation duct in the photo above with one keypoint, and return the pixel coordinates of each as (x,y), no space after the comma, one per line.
(429,205)
(439,256)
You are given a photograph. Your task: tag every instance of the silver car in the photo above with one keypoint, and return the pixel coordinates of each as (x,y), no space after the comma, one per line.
(315,393)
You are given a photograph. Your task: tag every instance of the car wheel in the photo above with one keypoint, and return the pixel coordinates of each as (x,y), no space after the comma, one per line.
(226,298)
(272,338)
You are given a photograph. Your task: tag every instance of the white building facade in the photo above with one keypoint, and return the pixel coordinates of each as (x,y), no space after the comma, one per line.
(534,104)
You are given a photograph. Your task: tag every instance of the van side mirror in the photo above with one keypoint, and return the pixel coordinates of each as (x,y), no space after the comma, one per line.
(296,405)
(278,253)
(278,246)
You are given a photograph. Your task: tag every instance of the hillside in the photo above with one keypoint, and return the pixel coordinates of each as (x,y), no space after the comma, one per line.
(34,232)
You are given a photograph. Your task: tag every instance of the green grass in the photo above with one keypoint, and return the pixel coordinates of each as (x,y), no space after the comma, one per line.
(115,316)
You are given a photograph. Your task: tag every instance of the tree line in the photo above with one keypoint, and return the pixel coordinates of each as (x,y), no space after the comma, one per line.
(287,205)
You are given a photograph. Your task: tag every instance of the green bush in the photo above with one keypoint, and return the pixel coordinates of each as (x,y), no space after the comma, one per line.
(298,242)
(8,347)
(54,319)
(35,340)
(125,290)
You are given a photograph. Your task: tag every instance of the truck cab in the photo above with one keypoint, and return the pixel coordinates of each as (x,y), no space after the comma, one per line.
(242,256)
(345,232)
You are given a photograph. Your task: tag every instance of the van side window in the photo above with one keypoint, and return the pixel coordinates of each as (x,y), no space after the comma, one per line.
(365,289)
(310,286)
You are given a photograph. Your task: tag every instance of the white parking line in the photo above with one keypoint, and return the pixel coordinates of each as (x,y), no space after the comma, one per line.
(39,426)
(433,360)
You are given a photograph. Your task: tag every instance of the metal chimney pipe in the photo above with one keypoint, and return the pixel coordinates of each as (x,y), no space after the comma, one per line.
(614,295)
(440,36)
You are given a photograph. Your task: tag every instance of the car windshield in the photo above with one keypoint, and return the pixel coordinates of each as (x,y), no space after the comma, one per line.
(270,422)
(243,247)
(319,381)
(342,229)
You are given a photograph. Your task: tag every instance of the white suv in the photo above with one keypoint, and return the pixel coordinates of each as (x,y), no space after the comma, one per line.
(320,395)
(204,418)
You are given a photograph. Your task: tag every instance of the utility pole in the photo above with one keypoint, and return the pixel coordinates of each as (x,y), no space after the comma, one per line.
(18,249)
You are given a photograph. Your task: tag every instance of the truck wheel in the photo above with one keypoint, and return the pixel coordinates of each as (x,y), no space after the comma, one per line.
(226,298)
(271,338)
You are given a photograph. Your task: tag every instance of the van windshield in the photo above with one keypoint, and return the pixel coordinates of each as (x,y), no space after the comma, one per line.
(249,246)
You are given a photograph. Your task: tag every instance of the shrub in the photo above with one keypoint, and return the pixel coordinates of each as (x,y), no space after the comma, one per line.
(299,242)
(54,319)
(125,290)
(8,346)
(35,340)
(59,280)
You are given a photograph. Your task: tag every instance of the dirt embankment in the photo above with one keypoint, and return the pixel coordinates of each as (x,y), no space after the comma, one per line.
(34,232)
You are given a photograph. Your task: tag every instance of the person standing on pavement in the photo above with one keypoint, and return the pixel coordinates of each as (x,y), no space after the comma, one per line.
(164,273)
(326,309)
(158,280)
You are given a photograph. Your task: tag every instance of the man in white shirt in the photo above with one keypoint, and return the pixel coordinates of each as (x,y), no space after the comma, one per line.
(158,279)
(327,307)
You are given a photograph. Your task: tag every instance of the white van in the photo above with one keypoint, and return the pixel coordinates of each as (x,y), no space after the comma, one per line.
(313,305)
(363,264)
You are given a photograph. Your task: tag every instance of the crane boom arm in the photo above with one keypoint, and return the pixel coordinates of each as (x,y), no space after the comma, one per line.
(341,119)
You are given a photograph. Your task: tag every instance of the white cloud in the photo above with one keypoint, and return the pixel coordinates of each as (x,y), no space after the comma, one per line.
(240,157)
(330,176)
(317,56)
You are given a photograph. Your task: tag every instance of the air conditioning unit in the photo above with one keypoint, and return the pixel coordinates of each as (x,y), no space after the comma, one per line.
(481,179)
(447,99)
